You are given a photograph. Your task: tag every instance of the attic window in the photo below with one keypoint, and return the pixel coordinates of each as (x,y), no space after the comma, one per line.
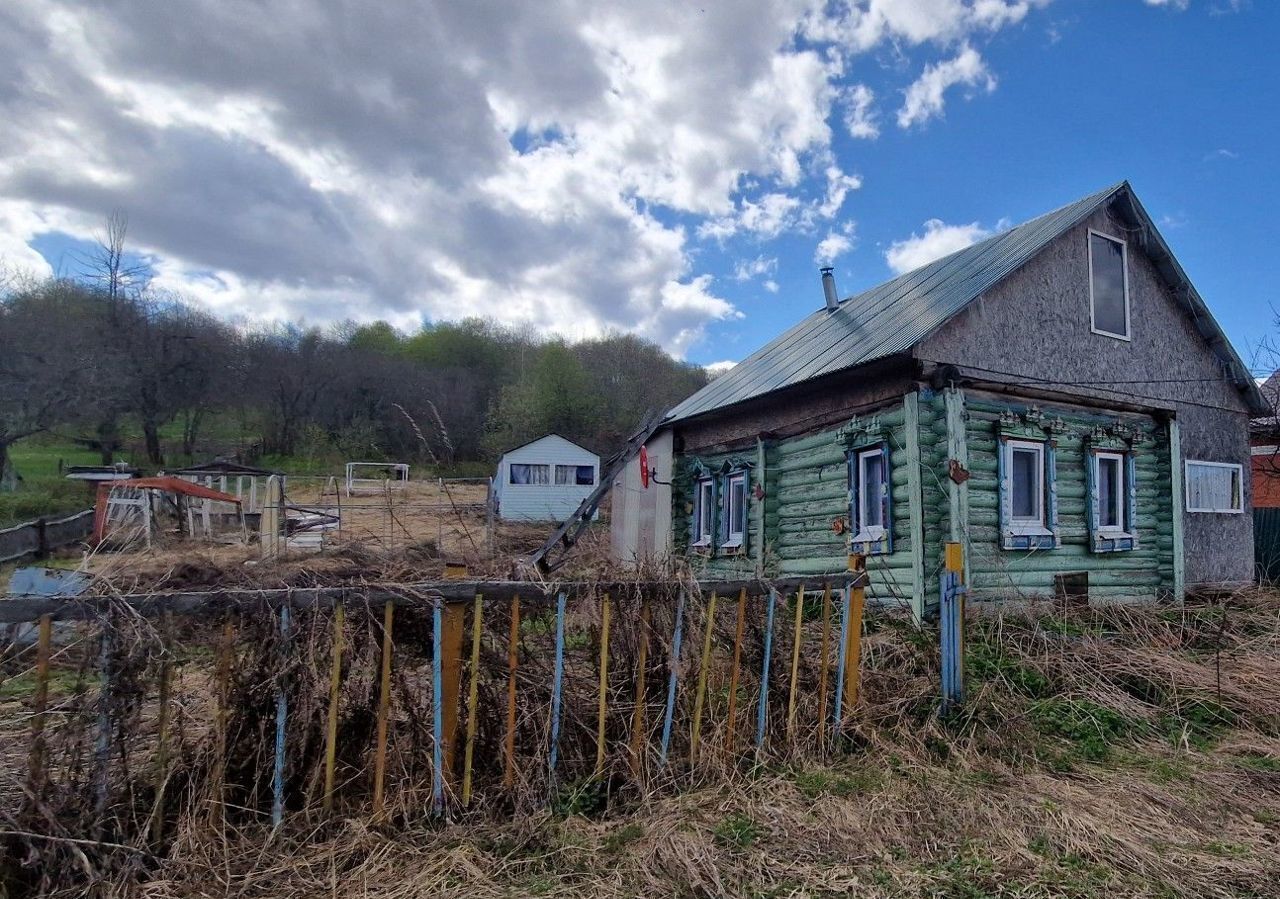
(1108,286)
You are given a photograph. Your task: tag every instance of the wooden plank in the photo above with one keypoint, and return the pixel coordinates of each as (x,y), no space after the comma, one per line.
(454,615)
(40,708)
(853,655)
(637,717)
(423,594)
(796,643)
(473,696)
(102,741)
(437,709)
(605,613)
(734,669)
(384,714)
(222,687)
(824,659)
(513,660)
(957,449)
(708,631)
(331,725)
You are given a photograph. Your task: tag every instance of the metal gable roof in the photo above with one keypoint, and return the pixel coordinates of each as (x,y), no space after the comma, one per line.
(895,316)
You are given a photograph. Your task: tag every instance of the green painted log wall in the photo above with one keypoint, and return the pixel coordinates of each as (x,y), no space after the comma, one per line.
(806,488)
(1143,573)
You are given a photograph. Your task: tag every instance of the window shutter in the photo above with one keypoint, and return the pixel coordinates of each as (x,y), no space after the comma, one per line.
(855,522)
(886,502)
(746,510)
(1006,495)
(1091,494)
(1051,475)
(1131,500)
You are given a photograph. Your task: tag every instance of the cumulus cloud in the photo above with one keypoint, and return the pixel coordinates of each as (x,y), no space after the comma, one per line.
(924,99)
(831,247)
(716,369)
(551,165)
(859,112)
(746,269)
(938,240)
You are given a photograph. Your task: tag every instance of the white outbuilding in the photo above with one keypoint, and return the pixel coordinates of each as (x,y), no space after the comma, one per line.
(544,480)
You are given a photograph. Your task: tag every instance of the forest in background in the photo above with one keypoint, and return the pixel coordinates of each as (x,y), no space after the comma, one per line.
(104,362)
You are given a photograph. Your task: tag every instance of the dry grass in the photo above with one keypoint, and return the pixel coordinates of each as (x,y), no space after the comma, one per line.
(1128,751)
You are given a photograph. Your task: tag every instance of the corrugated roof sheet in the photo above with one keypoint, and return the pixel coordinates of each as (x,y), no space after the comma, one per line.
(895,316)
(887,319)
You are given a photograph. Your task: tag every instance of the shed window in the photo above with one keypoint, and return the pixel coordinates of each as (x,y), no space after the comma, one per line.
(524,473)
(869,500)
(1108,286)
(704,512)
(1214,487)
(736,513)
(576,475)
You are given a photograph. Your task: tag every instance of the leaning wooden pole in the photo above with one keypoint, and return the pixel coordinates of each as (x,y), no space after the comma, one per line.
(824,661)
(673,681)
(282,715)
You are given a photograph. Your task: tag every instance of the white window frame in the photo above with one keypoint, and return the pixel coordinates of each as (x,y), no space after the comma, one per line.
(1037,524)
(1124,264)
(1122,490)
(735,537)
(1186,483)
(551,474)
(869,533)
(704,508)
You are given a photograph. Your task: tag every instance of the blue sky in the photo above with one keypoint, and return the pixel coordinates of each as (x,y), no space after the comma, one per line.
(670,170)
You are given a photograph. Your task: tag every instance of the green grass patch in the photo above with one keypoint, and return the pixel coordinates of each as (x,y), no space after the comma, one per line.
(988,662)
(814,783)
(737,831)
(1200,722)
(624,836)
(1256,761)
(1091,729)
(62,682)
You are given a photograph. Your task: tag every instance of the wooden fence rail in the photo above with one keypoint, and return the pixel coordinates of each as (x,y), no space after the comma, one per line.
(576,684)
(36,539)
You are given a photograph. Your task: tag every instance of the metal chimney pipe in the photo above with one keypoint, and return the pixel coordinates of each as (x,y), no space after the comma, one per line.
(829,289)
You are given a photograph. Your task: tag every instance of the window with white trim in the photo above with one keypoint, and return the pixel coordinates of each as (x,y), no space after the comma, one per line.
(575,475)
(1109,475)
(1108,286)
(1214,486)
(735,510)
(869,500)
(1024,483)
(704,512)
(524,473)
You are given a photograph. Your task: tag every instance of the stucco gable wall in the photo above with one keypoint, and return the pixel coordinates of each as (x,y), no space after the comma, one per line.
(1036,323)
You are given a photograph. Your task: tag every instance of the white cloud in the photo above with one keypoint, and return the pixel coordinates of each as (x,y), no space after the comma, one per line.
(925,98)
(553,166)
(1171,4)
(771,286)
(859,112)
(831,247)
(716,369)
(938,240)
(1221,153)
(746,269)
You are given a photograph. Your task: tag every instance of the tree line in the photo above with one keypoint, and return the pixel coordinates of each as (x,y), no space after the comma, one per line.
(96,356)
